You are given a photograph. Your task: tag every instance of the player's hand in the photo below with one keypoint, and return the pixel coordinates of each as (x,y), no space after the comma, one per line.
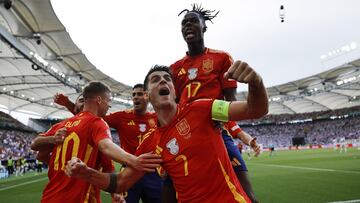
(242,72)
(146,162)
(255,147)
(118,198)
(59,136)
(61,99)
(76,168)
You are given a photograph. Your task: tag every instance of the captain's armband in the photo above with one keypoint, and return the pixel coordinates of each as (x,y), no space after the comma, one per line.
(220,110)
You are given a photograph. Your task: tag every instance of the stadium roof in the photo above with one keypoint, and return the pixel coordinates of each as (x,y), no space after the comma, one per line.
(32,34)
(333,89)
(38,59)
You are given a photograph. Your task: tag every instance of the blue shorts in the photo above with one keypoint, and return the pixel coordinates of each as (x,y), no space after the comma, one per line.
(236,159)
(148,188)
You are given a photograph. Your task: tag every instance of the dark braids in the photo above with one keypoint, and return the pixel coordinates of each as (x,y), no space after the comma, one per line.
(205,14)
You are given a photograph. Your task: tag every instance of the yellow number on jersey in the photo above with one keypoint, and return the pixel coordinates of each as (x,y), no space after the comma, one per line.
(183,157)
(192,91)
(63,149)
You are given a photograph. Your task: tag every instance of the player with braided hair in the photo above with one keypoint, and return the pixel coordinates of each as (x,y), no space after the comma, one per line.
(200,74)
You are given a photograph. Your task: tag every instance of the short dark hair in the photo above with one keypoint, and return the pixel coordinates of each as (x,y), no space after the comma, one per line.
(139,85)
(95,88)
(155,68)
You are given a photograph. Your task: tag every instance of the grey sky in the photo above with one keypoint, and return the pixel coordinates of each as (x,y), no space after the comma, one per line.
(124,38)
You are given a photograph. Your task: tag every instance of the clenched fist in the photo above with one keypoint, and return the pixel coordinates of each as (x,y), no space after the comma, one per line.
(242,72)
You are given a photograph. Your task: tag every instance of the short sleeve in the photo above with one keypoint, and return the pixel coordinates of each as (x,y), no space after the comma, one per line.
(233,128)
(100,130)
(227,83)
(52,130)
(112,119)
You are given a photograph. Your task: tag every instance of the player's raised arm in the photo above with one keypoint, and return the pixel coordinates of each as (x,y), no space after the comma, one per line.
(256,105)
(64,101)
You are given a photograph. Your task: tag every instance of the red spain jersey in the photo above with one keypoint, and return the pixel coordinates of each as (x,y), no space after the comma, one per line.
(195,157)
(202,76)
(233,128)
(84,131)
(131,127)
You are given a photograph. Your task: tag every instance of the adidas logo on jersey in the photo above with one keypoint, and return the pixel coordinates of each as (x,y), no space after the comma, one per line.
(181,72)
(131,122)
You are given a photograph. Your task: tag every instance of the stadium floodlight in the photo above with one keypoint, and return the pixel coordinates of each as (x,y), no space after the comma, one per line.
(4,88)
(7,3)
(35,67)
(282,13)
(37,38)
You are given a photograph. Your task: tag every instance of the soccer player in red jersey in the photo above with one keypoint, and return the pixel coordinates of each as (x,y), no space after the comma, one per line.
(132,127)
(106,164)
(187,139)
(87,136)
(200,74)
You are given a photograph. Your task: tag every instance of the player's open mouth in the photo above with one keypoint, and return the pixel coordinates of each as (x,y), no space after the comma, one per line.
(164,91)
(137,103)
(189,34)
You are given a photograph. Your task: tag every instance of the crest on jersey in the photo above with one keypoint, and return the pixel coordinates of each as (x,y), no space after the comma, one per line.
(142,127)
(183,127)
(173,146)
(192,73)
(152,123)
(208,66)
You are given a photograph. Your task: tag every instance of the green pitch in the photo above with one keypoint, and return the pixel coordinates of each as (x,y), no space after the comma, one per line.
(289,176)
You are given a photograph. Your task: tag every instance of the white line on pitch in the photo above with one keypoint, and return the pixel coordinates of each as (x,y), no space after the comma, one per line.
(21,184)
(348,201)
(306,168)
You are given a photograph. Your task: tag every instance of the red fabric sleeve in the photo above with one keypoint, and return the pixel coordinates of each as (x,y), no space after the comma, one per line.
(52,130)
(112,119)
(227,83)
(173,68)
(100,130)
(233,128)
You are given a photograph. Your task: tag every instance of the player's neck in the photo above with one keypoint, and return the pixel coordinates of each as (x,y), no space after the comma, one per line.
(166,114)
(196,48)
(91,109)
(140,112)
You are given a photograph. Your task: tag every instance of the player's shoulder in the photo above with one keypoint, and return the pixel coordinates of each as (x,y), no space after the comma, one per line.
(178,63)
(199,103)
(123,113)
(217,52)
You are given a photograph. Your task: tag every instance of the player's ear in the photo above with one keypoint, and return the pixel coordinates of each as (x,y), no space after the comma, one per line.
(98,99)
(146,94)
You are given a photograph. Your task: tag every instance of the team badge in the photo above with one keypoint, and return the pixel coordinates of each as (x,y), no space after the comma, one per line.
(183,128)
(142,127)
(192,73)
(173,146)
(208,66)
(152,123)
